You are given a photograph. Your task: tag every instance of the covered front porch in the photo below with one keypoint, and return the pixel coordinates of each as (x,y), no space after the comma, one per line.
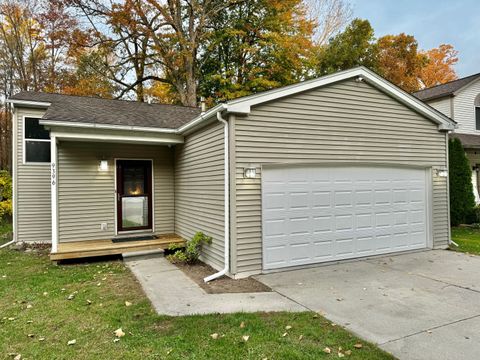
(112,192)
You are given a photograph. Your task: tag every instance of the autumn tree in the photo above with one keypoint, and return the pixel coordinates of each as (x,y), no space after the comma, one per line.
(256,46)
(355,46)
(400,61)
(439,68)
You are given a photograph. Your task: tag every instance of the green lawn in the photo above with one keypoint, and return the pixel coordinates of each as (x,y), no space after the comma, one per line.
(37,320)
(467,238)
(5,228)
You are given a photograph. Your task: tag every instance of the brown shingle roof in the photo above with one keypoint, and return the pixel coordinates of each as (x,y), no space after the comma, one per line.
(447,89)
(85,109)
(468,140)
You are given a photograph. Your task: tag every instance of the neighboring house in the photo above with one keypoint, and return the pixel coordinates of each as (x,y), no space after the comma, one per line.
(340,167)
(460,100)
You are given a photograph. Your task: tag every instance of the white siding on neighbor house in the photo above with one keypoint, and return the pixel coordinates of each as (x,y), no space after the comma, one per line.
(32,189)
(86,196)
(346,122)
(199,189)
(444,105)
(464,108)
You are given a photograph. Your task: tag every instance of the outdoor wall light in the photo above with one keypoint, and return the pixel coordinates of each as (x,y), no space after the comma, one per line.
(249,173)
(103,166)
(442,172)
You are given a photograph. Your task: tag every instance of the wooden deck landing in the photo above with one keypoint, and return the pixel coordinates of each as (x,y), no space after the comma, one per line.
(89,248)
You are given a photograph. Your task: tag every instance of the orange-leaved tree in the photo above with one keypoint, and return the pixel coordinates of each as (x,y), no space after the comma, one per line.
(400,61)
(439,68)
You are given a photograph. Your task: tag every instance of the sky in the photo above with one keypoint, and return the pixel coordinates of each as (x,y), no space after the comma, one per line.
(432,22)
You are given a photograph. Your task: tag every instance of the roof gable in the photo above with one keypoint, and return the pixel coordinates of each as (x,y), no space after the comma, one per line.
(243,105)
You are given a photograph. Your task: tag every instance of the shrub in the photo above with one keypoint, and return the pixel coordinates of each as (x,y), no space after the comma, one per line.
(462,200)
(191,252)
(5,194)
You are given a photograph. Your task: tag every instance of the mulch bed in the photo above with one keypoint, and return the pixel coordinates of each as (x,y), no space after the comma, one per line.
(222,285)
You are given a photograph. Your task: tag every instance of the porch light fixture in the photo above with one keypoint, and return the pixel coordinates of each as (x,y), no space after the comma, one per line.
(103,166)
(249,173)
(442,172)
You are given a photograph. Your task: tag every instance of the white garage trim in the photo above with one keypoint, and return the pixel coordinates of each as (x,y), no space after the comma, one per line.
(313,213)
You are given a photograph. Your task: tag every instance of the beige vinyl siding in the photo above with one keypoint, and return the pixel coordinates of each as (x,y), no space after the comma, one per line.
(86,196)
(342,122)
(199,189)
(464,109)
(32,190)
(443,105)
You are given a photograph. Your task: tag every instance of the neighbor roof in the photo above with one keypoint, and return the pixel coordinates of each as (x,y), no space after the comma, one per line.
(468,140)
(447,89)
(68,108)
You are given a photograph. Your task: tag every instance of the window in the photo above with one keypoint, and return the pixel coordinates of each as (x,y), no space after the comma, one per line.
(36,142)
(477,112)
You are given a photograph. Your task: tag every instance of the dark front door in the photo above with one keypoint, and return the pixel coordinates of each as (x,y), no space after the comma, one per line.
(134,195)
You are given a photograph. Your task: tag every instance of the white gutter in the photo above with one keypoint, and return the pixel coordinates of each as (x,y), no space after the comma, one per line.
(216,109)
(106,126)
(29,103)
(226,195)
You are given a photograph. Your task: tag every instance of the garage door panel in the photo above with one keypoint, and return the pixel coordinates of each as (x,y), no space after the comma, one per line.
(315,214)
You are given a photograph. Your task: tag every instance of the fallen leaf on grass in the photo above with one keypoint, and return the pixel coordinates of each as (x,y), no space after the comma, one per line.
(288,327)
(31,335)
(71,297)
(242,325)
(89,302)
(29,306)
(128,303)
(119,333)
(300,338)
(284,334)
(116,340)
(214,336)
(340,355)
(327,350)
(72,342)
(41,339)
(348,352)
(18,357)
(358,346)
(245,337)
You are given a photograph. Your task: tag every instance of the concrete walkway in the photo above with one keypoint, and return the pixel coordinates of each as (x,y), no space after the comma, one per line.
(173,293)
(416,306)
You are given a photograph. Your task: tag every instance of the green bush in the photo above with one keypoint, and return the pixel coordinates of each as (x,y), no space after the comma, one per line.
(191,252)
(5,194)
(462,200)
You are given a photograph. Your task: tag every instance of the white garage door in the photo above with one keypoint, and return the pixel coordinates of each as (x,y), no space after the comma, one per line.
(315,213)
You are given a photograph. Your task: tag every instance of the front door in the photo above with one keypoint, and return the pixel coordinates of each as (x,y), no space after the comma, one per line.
(134,195)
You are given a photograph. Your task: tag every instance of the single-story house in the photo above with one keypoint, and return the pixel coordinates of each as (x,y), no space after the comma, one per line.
(339,167)
(460,100)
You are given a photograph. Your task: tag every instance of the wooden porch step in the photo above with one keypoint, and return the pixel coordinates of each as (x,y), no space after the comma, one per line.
(91,248)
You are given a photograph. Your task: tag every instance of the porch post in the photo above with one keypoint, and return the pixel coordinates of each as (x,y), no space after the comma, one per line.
(53,187)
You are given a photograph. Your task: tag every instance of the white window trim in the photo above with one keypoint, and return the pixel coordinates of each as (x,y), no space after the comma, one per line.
(24,142)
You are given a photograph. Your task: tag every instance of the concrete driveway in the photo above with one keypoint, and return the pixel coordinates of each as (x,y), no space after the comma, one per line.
(422,305)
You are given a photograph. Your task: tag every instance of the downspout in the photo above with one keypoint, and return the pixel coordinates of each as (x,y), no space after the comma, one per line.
(6,244)
(225,270)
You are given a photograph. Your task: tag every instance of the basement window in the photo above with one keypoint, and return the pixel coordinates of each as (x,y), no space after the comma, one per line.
(36,142)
